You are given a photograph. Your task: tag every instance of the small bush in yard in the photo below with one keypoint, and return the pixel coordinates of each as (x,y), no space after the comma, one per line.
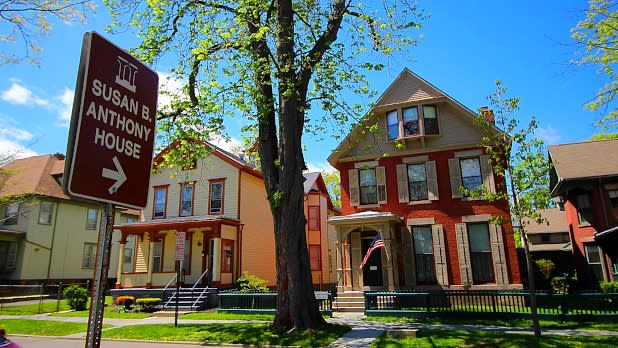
(124,302)
(609,286)
(147,304)
(251,283)
(76,296)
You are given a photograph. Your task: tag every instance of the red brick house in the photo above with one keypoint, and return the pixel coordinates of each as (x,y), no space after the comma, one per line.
(585,178)
(404,183)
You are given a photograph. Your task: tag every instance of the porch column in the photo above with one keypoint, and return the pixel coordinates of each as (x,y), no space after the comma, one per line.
(118,284)
(355,260)
(150,263)
(390,276)
(339,264)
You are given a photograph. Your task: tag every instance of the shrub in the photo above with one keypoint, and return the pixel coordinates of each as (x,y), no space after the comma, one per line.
(125,302)
(562,285)
(76,296)
(546,267)
(147,304)
(609,286)
(251,283)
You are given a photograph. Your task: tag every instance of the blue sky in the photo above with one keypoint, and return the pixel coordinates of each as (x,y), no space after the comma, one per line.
(464,49)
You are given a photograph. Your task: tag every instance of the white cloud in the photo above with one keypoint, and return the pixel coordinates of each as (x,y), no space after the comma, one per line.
(548,134)
(319,167)
(169,87)
(62,104)
(230,145)
(10,138)
(17,94)
(64,107)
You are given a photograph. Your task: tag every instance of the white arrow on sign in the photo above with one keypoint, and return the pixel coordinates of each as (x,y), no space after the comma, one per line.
(117,175)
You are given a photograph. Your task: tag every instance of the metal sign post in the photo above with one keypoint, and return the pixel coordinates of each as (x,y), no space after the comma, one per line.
(110,147)
(97,302)
(180,256)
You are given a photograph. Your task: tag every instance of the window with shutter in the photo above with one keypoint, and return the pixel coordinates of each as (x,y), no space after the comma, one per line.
(381,182)
(424,255)
(440,254)
(455,174)
(463,254)
(353,185)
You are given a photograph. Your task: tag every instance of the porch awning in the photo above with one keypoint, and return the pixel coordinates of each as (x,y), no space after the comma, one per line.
(365,217)
(607,234)
(177,223)
(11,235)
(550,247)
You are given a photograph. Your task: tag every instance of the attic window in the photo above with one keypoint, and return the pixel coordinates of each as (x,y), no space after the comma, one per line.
(412,121)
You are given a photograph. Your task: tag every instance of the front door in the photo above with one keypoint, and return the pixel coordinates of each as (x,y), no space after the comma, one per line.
(372,271)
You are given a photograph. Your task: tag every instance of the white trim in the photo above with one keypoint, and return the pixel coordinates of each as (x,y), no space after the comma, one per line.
(415,159)
(366,165)
(421,221)
(468,153)
(476,218)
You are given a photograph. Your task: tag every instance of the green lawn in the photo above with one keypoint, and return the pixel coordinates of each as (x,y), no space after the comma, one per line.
(465,338)
(47,307)
(247,334)
(42,327)
(545,324)
(227,316)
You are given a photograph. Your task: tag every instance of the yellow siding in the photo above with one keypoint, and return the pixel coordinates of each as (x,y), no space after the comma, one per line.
(228,232)
(66,235)
(211,167)
(258,242)
(169,253)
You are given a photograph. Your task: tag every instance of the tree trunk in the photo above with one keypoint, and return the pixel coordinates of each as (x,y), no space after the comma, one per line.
(531,285)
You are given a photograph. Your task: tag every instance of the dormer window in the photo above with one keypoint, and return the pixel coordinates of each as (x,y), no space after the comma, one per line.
(430,119)
(410,122)
(413,121)
(392,124)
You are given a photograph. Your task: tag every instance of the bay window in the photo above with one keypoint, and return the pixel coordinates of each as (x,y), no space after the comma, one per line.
(424,255)
(415,121)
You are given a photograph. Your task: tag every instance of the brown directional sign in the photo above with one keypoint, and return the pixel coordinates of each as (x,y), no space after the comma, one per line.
(111,139)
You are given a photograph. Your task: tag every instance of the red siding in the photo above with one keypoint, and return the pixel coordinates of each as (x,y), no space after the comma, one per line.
(446,211)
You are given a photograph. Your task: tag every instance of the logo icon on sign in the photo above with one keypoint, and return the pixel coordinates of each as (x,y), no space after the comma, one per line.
(126,74)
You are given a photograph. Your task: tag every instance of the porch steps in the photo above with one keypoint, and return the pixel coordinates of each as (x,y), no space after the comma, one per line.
(350,301)
(187,300)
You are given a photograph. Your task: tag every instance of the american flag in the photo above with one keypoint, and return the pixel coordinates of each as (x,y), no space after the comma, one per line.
(376,244)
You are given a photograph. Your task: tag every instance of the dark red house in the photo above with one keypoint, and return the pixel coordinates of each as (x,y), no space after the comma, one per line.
(585,178)
(403,182)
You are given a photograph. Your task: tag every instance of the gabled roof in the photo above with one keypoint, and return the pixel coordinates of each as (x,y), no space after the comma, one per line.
(408,87)
(226,156)
(33,175)
(556,222)
(582,161)
(315,182)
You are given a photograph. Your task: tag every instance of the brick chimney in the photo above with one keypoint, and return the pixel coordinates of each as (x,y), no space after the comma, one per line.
(487,114)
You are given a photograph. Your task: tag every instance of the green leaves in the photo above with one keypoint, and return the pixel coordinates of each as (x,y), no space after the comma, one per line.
(516,156)
(596,35)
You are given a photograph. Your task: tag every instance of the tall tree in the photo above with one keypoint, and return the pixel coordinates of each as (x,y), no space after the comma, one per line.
(333,184)
(271,61)
(518,161)
(597,35)
(25,21)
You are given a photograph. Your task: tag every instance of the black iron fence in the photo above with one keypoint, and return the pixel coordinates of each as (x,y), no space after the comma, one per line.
(578,306)
(264,302)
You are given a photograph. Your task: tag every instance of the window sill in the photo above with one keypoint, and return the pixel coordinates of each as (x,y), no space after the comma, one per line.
(424,201)
(472,199)
(366,206)
(584,224)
